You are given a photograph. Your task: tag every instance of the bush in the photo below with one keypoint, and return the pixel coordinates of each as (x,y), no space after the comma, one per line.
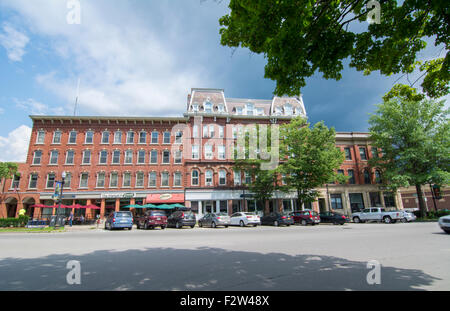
(14,222)
(439,213)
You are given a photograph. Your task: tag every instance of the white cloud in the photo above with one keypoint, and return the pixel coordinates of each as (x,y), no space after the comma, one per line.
(34,107)
(14,42)
(125,66)
(14,147)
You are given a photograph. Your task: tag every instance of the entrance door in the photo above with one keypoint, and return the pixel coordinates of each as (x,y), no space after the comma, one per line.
(322,205)
(209,207)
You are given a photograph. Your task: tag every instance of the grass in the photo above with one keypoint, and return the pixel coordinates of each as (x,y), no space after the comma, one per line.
(39,230)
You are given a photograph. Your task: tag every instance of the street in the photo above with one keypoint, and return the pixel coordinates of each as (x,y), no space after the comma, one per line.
(413,256)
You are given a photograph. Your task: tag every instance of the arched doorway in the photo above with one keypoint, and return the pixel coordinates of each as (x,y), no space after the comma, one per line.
(11,207)
(28,206)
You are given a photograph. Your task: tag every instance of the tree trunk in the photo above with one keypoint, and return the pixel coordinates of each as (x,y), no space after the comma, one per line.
(422,205)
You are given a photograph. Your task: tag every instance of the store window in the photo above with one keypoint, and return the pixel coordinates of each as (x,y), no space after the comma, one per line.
(336,201)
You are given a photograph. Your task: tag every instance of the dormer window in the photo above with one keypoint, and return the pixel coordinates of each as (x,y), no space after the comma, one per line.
(208,107)
(288,109)
(250,108)
(195,108)
(260,111)
(278,111)
(239,111)
(221,108)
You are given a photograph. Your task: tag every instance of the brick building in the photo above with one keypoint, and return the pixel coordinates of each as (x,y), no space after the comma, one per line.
(112,162)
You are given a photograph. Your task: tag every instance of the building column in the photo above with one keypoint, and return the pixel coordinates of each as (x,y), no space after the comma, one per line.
(200,209)
(398,199)
(217,206)
(102,208)
(117,207)
(19,207)
(3,211)
(346,201)
(230,207)
(366,199)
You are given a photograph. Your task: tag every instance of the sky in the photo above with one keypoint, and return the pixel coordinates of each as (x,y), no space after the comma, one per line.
(135,57)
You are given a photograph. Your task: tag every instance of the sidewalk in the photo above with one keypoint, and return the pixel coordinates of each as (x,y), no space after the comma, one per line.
(83,227)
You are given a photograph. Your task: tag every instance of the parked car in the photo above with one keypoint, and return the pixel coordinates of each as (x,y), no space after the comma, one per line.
(377,214)
(334,218)
(181,219)
(214,220)
(444,223)
(123,219)
(152,219)
(408,217)
(277,219)
(244,219)
(306,217)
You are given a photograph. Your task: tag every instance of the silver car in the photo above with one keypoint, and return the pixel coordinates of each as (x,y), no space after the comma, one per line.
(444,223)
(408,217)
(214,220)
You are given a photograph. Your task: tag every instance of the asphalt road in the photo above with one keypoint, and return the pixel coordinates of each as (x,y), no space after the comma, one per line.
(413,256)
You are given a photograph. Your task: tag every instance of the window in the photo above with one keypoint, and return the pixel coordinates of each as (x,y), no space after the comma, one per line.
(37,157)
(70,156)
(356,202)
(177,179)
(221,131)
(154,157)
(283,179)
(118,137)
(141,157)
(374,152)
(195,131)
(351,174)
(209,178)
(211,130)
(178,156)
(375,199)
(221,152)
(155,137)
(362,153)
(208,107)
(222,177)
(341,172)
(114,180)
(116,157)
(129,157)
(68,180)
(195,152)
(239,111)
(139,180)
(208,152)
(166,138)
(205,131)
(40,139)
(194,178)
(103,157)
(260,111)
(57,137)
(195,108)
(89,137)
(152,179)
(348,154)
(178,137)
(367,177)
(105,137)
(33,181)
(50,181)
(288,109)
(72,137)
(15,182)
(130,137)
(237,178)
(389,199)
(248,178)
(378,177)
(54,157)
(101,180)
(126,179)
(84,180)
(220,108)
(165,179)
(336,201)
(143,137)
(278,110)
(86,157)
(166,157)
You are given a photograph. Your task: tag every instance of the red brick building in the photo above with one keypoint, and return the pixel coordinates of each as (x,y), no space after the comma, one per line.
(112,162)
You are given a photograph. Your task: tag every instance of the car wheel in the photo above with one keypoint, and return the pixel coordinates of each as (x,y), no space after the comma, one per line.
(356,220)
(178,225)
(404,220)
(255,225)
(387,220)
(137,225)
(146,226)
(163,227)
(213,225)
(226,226)
(303,222)
(193,226)
(275,223)
(447,231)
(200,225)
(131,228)
(241,223)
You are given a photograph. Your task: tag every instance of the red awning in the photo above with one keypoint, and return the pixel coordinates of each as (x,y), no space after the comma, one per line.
(76,206)
(165,198)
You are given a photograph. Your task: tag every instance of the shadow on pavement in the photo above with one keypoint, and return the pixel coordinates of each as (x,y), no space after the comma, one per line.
(201,269)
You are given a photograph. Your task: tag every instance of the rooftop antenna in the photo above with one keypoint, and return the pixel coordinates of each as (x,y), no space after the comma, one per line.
(76,98)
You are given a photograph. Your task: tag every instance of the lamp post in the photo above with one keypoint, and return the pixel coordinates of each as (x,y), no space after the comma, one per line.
(63,175)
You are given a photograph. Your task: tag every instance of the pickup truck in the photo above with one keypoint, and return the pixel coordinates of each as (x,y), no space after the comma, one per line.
(377,214)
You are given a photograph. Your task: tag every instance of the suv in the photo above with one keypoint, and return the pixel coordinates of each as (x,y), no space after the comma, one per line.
(377,214)
(152,219)
(306,217)
(180,219)
(121,220)
(277,219)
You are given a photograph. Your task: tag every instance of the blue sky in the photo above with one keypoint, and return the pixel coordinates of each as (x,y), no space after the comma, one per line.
(142,58)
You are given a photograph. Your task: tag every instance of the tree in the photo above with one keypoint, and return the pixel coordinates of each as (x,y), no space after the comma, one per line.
(414,134)
(7,171)
(310,158)
(299,38)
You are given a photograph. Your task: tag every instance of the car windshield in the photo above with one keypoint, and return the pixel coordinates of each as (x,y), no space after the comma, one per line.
(157,213)
(189,215)
(123,214)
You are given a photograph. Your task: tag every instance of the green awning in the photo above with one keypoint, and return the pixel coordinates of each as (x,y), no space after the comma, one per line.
(140,206)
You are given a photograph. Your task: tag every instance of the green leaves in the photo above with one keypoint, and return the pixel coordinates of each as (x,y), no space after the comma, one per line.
(299,38)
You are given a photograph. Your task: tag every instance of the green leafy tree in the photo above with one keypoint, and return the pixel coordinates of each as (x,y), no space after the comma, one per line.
(309,157)
(414,134)
(7,171)
(299,38)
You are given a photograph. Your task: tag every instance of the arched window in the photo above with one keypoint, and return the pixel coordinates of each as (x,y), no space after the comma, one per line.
(367,177)
(209,178)
(378,177)
(222,177)
(194,178)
